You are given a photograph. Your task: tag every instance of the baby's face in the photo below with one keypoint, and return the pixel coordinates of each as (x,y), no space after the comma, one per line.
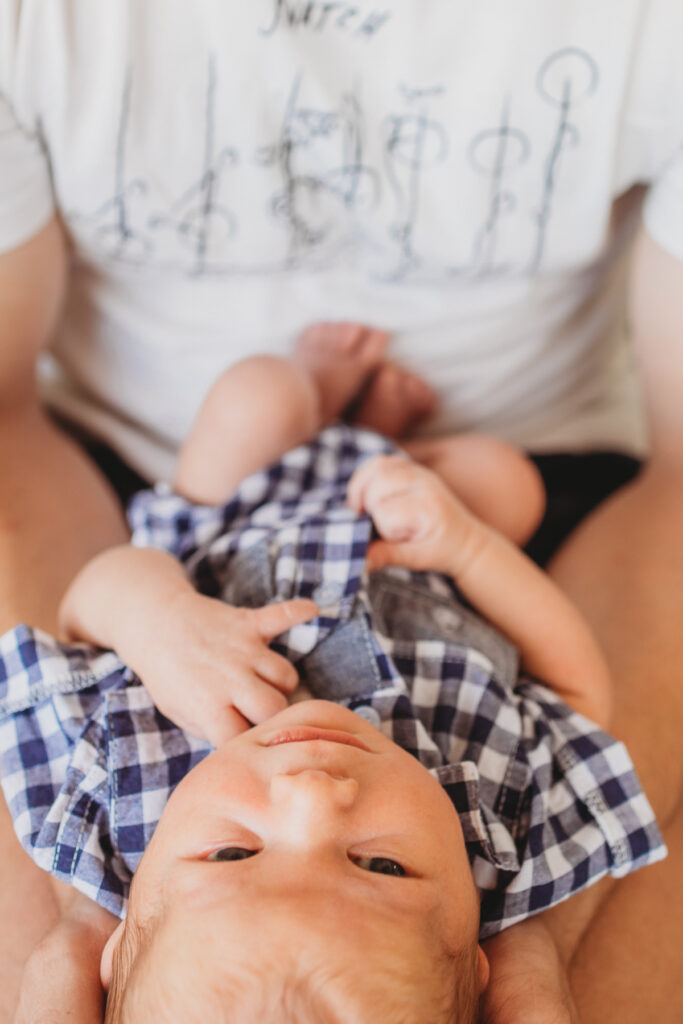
(311,821)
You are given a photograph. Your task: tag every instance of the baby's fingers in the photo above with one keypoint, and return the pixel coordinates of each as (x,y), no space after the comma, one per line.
(255,699)
(381,553)
(377,479)
(224,724)
(274,619)
(276,670)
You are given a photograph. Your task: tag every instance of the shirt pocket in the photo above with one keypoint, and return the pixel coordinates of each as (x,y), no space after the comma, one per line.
(413,609)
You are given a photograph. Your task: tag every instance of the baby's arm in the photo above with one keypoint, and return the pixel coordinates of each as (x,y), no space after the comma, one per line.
(424,526)
(495,480)
(206,664)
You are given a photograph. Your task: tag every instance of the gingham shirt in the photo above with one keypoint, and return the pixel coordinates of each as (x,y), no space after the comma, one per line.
(548,802)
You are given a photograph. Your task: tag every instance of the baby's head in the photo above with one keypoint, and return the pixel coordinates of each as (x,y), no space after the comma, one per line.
(309,870)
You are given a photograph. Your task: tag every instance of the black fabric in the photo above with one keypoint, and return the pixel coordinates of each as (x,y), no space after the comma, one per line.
(575,485)
(125,481)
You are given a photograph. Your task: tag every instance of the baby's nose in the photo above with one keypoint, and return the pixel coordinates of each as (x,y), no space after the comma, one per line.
(314,790)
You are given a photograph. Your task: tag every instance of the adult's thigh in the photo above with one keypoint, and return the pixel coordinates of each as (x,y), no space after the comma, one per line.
(624,568)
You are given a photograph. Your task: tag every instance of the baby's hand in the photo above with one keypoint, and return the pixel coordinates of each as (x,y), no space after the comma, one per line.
(421,522)
(210,669)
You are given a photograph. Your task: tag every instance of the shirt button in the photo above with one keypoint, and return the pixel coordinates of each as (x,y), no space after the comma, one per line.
(327,594)
(447,619)
(369,715)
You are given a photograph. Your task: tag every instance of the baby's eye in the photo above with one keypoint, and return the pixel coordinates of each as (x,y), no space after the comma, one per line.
(380,865)
(232,853)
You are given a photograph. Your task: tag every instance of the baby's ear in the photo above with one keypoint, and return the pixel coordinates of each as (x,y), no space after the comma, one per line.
(107,959)
(483,969)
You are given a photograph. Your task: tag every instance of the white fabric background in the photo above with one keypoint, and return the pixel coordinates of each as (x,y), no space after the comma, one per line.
(448,171)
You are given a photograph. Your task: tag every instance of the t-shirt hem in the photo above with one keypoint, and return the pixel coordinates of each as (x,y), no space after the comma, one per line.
(663,219)
(27,219)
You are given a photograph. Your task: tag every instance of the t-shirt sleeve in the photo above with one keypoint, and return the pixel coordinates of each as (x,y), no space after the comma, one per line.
(663,210)
(26,195)
(653,122)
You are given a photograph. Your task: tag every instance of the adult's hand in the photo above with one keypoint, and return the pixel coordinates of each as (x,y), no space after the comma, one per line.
(61,982)
(528,984)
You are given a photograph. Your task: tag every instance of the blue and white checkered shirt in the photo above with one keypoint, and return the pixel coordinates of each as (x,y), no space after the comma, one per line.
(548,802)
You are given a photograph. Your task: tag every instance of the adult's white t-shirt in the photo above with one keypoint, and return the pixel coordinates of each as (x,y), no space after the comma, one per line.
(461,174)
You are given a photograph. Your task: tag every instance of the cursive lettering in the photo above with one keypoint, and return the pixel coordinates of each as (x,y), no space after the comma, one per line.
(319,15)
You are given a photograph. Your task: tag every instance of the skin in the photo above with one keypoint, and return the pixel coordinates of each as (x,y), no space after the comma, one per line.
(41,470)
(313,813)
(624,568)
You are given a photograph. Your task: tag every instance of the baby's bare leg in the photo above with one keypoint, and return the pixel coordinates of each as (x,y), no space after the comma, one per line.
(253,413)
(493,478)
(260,408)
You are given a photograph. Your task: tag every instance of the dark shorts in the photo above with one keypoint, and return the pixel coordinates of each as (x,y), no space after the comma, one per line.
(575,485)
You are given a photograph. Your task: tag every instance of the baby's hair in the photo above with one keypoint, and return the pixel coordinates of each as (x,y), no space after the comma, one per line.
(125,955)
(265,993)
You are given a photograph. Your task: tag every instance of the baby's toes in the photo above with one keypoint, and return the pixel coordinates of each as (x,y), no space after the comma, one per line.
(339,357)
(394,402)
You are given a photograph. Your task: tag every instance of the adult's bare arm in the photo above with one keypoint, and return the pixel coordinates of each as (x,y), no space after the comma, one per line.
(55,513)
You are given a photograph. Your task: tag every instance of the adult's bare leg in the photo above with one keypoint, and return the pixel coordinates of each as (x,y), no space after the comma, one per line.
(56,512)
(624,568)
(630,959)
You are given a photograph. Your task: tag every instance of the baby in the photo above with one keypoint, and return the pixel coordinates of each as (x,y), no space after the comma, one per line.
(337,858)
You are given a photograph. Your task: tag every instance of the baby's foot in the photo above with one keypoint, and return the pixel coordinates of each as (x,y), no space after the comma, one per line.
(394,402)
(340,358)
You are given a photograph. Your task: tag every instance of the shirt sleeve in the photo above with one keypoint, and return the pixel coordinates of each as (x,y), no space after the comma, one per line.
(53,757)
(26,195)
(663,210)
(652,140)
(160,519)
(581,814)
